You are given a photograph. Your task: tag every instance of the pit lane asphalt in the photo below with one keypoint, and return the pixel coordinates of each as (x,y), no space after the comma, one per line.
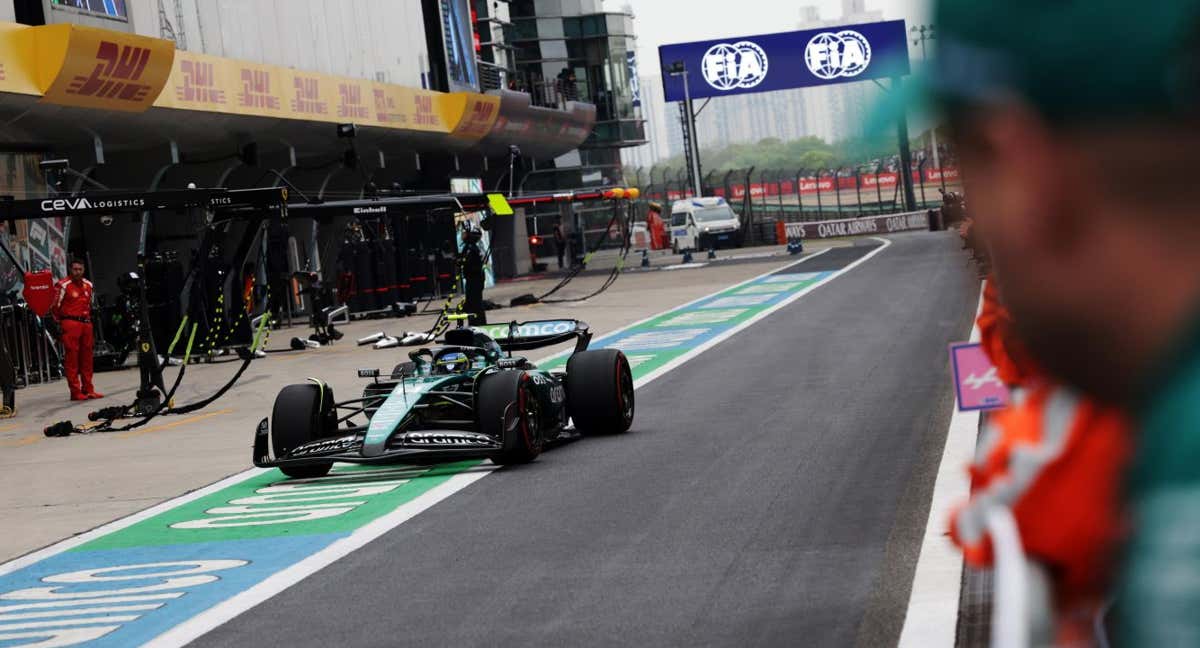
(773,491)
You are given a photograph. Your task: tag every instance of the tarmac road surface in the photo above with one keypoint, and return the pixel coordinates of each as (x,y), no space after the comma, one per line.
(773,491)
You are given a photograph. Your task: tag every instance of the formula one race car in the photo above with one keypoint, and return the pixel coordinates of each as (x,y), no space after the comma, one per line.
(465,399)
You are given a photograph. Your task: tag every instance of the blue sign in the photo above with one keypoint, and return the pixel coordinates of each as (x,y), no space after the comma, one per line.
(635,84)
(798,59)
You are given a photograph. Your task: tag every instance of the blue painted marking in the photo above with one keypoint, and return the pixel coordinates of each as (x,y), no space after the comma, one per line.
(138,598)
(24,592)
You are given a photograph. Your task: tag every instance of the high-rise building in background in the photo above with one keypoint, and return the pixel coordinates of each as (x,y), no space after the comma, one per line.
(247,94)
(574,50)
(662,127)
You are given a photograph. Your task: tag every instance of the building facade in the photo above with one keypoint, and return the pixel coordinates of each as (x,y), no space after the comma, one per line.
(497,67)
(662,123)
(380,40)
(247,93)
(574,50)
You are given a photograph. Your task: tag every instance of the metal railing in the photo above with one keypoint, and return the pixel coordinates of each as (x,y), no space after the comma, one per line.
(35,355)
(491,76)
(763,198)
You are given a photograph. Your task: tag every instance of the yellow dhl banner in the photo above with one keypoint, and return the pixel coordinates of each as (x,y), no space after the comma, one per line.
(211,83)
(18,70)
(98,68)
(478,114)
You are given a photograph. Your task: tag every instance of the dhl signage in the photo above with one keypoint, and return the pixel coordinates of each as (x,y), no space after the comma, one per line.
(479,113)
(197,83)
(306,95)
(210,83)
(387,103)
(17,65)
(352,105)
(97,68)
(94,68)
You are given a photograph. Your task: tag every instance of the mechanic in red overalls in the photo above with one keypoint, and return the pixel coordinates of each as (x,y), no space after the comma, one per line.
(73,310)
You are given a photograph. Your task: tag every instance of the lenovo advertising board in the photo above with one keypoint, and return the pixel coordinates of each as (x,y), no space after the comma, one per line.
(798,59)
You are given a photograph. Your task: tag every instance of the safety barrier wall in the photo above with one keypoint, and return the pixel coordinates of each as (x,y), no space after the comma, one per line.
(764,199)
(905,222)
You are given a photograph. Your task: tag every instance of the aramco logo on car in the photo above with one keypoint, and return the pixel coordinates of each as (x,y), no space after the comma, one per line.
(735,65)
(832,55)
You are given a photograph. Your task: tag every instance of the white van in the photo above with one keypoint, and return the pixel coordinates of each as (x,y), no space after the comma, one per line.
(701,223)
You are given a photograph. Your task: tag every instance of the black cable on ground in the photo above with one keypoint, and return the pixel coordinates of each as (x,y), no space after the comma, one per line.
(111,414)
(164,407)
(612,276)
(259,341)
(165,403)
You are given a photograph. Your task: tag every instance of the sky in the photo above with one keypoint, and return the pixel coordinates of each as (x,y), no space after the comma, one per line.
(659,22)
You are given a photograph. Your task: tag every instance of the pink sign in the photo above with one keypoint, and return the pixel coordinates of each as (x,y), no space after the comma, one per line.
(975,379)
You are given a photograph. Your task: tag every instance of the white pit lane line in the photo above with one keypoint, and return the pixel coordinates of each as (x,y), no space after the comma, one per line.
(932,617)
(227,610)
(222,613)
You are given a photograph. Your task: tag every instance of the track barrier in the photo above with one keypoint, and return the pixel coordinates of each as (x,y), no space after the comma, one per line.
(869,226)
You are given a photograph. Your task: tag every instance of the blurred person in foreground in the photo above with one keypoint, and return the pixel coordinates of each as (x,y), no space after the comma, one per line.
(1076,122)
(1055,461)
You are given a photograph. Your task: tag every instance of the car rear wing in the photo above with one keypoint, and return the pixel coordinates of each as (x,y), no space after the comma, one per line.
(536,334)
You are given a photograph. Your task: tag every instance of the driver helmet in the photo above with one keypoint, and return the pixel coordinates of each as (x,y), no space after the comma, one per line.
(453,362)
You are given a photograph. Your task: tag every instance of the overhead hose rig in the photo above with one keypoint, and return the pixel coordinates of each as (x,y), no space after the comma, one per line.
(206,311)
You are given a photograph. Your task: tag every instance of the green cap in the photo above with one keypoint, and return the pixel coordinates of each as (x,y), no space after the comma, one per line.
(1074,60)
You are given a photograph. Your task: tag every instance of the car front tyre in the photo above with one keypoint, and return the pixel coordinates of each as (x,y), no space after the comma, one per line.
(301,414)
(508,409)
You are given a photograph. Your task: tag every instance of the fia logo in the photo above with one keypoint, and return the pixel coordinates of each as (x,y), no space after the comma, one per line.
(844,54)
(738,65)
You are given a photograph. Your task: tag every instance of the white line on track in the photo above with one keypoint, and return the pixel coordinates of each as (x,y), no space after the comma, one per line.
(695,301)
(884,243)
(216,616)
(223,612)
(932,617)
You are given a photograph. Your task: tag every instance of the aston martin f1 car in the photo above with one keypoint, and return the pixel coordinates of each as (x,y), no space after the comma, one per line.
(469,398)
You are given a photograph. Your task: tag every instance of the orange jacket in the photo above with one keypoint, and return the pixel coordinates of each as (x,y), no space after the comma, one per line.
(999,340)
(1056,462)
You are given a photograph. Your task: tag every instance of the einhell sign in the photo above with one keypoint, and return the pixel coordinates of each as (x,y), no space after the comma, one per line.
(95,68)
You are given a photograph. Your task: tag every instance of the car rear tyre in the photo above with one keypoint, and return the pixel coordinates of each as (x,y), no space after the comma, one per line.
(600,391)
(302,413)
(508,409)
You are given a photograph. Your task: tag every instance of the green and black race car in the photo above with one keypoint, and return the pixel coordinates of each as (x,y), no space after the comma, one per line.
(468,398)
